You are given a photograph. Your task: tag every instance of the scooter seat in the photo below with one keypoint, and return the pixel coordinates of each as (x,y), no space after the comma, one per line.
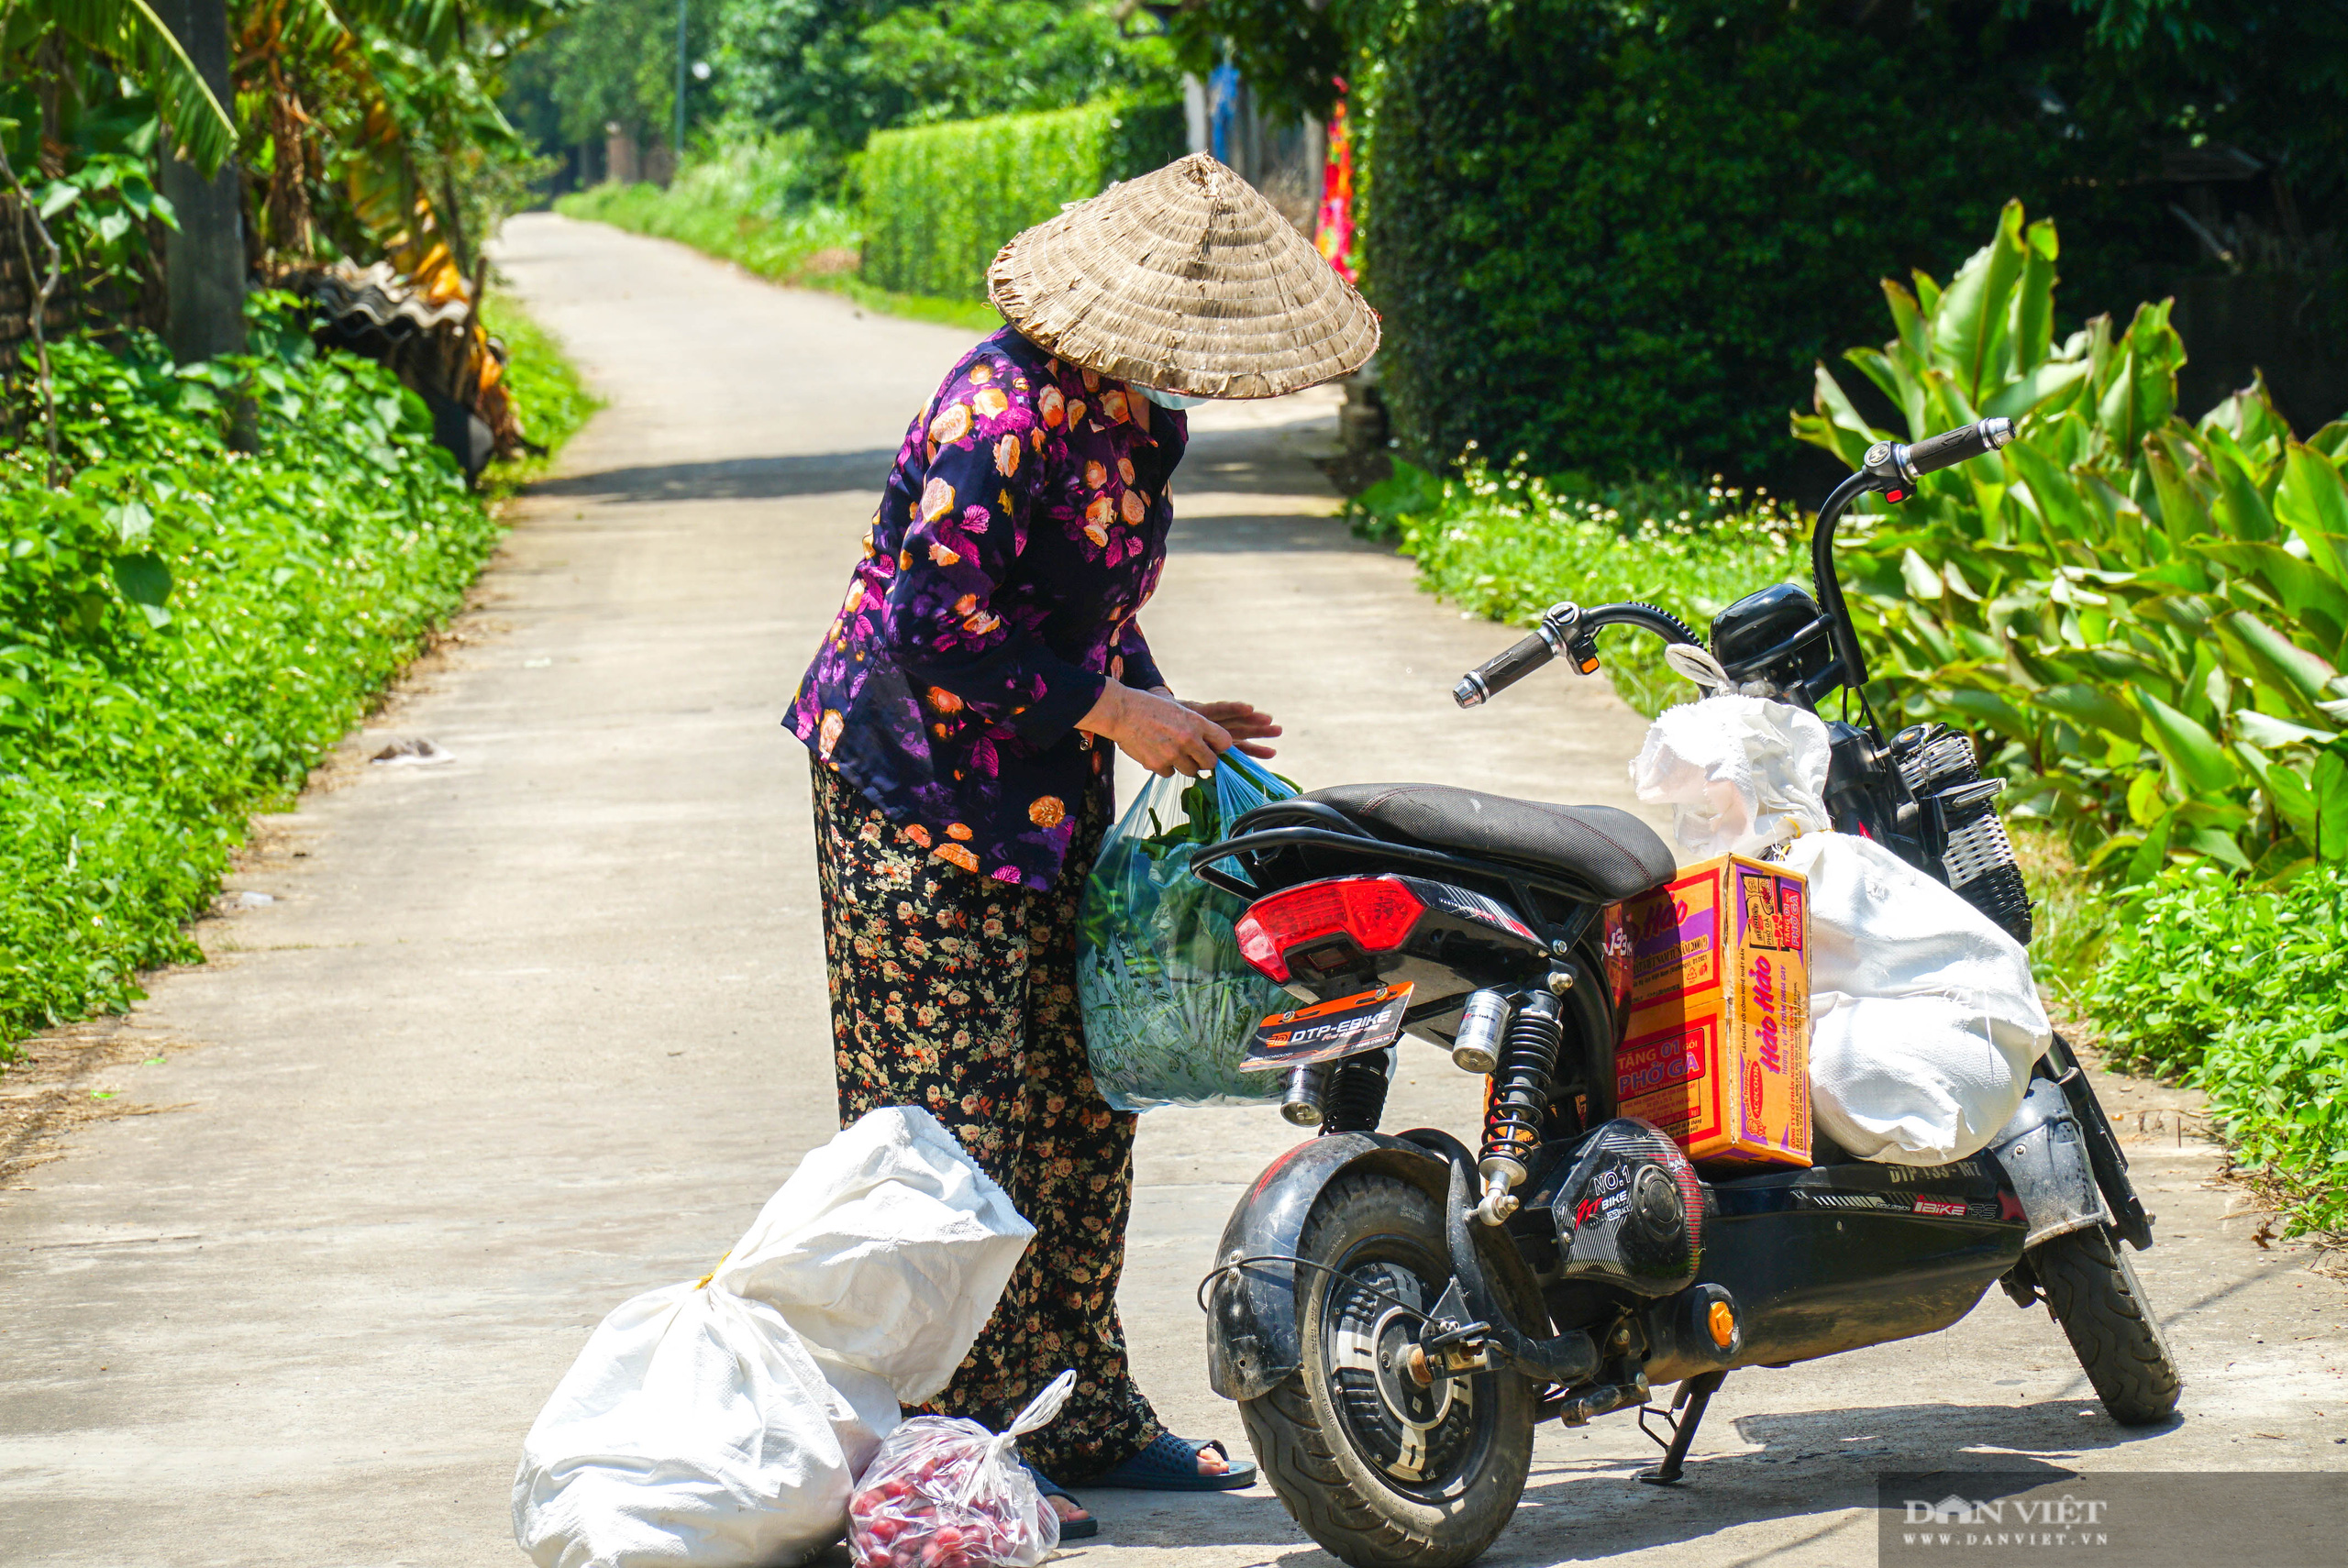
(1609,849)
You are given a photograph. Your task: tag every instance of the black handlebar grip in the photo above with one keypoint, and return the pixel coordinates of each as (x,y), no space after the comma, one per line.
(1503,670)
(1953,446)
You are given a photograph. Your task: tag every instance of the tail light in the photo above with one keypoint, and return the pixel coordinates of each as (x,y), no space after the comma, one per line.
(1377,912)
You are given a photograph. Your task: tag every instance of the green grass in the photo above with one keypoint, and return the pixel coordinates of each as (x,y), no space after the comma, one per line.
(1507,546)
(2243,991)
(789,247)
(185,629)
(753,205)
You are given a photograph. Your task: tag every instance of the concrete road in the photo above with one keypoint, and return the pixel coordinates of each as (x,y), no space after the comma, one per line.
(528,1033)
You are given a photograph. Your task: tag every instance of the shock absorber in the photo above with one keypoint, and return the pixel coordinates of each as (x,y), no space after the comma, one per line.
(1520,1097)
(1304,1103)
(1355,1097)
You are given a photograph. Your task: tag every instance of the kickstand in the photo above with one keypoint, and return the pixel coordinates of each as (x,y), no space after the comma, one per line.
(1694,1395)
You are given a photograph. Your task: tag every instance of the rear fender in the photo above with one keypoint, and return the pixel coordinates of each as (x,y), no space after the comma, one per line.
(1253,1338)
(2044,1155)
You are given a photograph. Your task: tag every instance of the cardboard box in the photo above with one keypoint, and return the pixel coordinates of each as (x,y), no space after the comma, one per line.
(1717,1049)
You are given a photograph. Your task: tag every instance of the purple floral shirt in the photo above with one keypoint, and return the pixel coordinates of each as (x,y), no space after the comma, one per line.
(1023,528)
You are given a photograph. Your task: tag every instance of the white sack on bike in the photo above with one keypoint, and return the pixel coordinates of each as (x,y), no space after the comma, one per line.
(722,1423)
(1745,774)
(1924,1021)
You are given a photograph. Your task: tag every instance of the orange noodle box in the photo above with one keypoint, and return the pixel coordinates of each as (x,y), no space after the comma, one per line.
(1716,1052)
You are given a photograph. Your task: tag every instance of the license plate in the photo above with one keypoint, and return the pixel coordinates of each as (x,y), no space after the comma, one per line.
(1327,1030)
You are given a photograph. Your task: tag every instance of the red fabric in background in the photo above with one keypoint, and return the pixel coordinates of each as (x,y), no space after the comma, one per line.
(1332,232)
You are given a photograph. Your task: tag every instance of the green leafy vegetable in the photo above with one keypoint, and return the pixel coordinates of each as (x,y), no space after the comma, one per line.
(1169,1005)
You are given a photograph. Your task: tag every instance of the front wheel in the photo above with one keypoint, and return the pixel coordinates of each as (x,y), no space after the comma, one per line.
(1382,1473)
(2092,1290)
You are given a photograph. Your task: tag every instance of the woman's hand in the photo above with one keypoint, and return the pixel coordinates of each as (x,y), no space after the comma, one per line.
(1242,722)
(1160,734)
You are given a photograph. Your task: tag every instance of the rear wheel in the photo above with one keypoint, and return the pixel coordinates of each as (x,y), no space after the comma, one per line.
(1382,1473)
(2092,1290)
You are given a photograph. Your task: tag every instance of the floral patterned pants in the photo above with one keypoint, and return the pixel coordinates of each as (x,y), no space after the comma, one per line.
(957,994)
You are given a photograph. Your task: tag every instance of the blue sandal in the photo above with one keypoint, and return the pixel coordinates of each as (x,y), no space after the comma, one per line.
(1070,1529)
(1172,1464)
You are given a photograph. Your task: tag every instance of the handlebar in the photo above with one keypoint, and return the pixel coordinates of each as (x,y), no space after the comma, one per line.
(1891,467)
(1504,669)
(1894,467)
(1953,446)
(1568,629)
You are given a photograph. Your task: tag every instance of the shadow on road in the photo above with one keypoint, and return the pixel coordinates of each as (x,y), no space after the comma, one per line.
(1935,1432)
(1812,1462)
(734,479)
(1270,533)
(1244,462)
(1577,1510)
(1273,461)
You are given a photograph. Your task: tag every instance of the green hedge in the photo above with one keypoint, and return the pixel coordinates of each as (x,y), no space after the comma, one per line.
(803,242)
(939,200)
(764,203)
(1615,238)
(184,629)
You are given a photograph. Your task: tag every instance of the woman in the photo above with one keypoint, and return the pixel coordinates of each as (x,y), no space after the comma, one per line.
(961,711)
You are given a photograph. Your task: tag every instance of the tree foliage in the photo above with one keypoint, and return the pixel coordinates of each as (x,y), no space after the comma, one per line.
(129,36)
(1612,233)
(615,63)
(372,128)
(999,56)
(837,68)
(360,127)
(2269,76)
(2144,616)
(1615,238)
(1293,54)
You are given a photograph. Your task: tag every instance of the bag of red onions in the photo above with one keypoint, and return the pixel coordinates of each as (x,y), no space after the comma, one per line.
(949,1494)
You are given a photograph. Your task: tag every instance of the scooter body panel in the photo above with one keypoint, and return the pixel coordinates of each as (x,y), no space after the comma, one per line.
(1838,1257)
(1817,1261)
(2044,1153)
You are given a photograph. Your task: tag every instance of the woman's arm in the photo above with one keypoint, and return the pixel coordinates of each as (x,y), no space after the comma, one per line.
(1160,734)
(967,526)
(1244,722)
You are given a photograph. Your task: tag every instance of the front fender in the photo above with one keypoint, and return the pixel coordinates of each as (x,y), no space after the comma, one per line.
(1253,1340)
(2045,1157)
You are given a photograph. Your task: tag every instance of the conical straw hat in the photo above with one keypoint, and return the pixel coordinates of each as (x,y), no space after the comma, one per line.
(1185,281)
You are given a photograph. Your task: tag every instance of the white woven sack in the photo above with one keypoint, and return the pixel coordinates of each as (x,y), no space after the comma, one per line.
(1743,773)
(1924,1021)
(721,1425)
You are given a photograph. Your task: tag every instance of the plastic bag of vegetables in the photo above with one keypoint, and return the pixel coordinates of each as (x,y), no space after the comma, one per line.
(1169,1005)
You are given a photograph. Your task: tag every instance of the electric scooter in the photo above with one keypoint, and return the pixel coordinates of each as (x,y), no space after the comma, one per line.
(1395,1313)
